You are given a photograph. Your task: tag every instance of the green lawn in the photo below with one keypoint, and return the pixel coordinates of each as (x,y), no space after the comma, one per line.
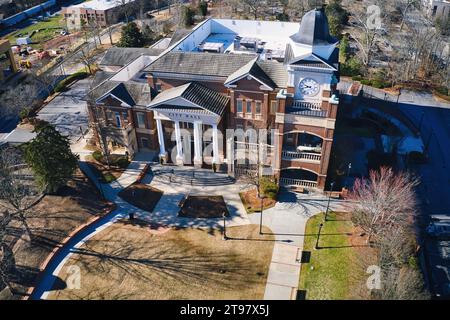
(46,32)
(334,270)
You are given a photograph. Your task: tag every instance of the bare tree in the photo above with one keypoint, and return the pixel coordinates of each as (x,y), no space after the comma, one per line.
(86,57)
(18,192)
(404,6)
(365,38)
(384,201)
(23,96)
(253,7)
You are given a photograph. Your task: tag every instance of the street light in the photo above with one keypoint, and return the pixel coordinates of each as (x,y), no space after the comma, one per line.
(100,187)
(348,169)
(318,236)
(224,235)
(329,198)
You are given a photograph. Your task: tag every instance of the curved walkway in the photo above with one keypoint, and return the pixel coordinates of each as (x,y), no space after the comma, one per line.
(165,213)
(287,221)
(50,274)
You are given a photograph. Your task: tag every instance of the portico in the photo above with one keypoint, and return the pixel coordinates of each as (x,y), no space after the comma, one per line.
(189,109)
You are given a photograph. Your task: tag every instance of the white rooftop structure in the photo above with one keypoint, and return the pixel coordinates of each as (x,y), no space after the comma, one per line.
(270,39)
(101,4)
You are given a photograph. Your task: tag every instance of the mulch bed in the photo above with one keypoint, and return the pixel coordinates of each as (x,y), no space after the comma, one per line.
(142,196)
(102,170)
(203,207)
(252,203)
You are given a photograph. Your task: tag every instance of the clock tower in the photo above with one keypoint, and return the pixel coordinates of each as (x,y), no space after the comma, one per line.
(307,119)
(312,58)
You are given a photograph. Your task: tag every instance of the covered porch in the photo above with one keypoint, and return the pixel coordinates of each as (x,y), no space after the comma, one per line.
(189,117)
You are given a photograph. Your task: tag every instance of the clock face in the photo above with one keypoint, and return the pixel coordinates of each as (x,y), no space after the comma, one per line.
(309,87)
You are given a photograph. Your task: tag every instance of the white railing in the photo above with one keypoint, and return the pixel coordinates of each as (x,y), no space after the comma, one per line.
(244,171)
(299,104)
(286,154)
(298,182)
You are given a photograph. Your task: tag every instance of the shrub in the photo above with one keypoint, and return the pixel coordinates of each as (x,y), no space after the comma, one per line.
(122,162)
(25,113)
(108,177)
(443,90)
(97,155)
(352,67)
(269,187)
(417,157)
(62,85)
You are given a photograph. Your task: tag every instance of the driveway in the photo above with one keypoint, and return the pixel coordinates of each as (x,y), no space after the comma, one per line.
(68,110)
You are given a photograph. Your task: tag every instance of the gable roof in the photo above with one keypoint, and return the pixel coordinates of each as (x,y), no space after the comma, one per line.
(253,70)
(199,63)
(132,93)
(313,60)
(117,56)
(276,71)
(195,93)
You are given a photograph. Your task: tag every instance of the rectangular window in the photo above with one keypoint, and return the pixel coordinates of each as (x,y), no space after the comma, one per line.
(248,108)
(158,87)
(144,143)
(109,115)
(125,116)
(118,123)
(239,106)
(258,107)
(140,119)
(273,107)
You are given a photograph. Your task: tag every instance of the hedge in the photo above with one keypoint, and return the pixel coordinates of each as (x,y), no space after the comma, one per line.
(62,85)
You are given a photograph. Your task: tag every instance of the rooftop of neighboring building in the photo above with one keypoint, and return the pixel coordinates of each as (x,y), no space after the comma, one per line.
(117,56)
(101,4)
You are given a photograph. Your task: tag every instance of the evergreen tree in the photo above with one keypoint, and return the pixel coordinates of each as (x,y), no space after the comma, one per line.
(131,36)
(337,17)
(203,8)
(50,158)
(187,16)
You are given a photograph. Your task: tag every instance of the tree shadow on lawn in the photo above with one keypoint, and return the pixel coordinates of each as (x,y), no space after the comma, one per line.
(186,266)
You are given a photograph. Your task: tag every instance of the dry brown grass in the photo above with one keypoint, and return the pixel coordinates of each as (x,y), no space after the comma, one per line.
(129,262)
(51,221)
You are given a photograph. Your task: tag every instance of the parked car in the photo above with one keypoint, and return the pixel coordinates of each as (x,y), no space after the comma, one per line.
(439,229)
(440,217)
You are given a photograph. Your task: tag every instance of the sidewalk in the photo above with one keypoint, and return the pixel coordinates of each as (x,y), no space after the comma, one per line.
(287,220)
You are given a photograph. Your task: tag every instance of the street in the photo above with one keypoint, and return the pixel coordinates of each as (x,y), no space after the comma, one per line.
(434,189)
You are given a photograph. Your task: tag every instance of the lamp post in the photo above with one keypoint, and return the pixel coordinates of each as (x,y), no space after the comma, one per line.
(329,198)
(348,169)
(318,236)
(224,236)
(261,216)
(100,187)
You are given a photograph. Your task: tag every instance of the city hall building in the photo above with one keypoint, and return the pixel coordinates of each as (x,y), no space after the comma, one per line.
(225,74)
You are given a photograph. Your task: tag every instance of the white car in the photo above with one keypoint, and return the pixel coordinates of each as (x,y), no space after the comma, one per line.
(439,229)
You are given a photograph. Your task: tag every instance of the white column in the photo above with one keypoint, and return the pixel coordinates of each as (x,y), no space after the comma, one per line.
(215,144)
(179,144)
(198,143)
(159,128)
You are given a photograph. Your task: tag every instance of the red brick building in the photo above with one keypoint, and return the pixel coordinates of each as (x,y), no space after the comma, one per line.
(227,74)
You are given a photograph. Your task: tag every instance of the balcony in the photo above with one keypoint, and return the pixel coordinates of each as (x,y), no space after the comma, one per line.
(288,182)
(301,155)
(308,109)
(300,104)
